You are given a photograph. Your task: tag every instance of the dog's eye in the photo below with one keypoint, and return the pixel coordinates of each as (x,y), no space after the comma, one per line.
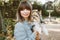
(36,15)
(33,17)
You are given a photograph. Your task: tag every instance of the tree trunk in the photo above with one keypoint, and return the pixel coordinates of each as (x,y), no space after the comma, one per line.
(0,23)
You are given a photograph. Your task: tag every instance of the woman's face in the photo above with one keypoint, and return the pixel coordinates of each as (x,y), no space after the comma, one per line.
(25,13)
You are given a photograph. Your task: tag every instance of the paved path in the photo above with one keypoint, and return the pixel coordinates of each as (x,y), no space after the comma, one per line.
(54,32)
(52,27)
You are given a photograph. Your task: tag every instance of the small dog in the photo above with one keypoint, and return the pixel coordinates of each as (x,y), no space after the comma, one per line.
(37,25)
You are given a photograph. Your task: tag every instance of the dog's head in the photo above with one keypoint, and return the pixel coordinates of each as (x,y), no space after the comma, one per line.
(35,16)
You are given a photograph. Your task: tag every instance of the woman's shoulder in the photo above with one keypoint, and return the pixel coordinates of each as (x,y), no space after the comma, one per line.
(18,24)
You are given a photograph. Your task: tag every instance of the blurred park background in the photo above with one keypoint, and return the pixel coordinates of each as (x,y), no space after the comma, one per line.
(49,13)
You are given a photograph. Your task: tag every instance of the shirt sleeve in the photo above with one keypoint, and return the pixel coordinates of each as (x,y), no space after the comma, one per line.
(20,34)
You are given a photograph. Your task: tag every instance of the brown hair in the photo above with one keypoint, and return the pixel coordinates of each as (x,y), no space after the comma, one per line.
(24,5)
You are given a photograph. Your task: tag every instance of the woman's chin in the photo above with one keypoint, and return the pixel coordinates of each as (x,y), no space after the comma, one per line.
(26,16)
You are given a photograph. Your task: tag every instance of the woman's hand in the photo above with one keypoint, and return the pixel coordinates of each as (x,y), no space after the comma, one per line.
(37,35)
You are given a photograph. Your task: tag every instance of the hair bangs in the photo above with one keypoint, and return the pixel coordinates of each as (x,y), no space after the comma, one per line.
(25,6)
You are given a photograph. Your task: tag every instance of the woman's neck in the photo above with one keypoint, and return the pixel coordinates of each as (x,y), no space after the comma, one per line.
(26,19)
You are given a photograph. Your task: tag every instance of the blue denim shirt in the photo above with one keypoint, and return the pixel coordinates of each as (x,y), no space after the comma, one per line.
(22,31)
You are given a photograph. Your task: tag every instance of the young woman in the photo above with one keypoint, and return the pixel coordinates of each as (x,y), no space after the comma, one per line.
(23,27)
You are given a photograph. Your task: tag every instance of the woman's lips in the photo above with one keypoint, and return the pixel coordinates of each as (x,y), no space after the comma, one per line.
(25,14)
